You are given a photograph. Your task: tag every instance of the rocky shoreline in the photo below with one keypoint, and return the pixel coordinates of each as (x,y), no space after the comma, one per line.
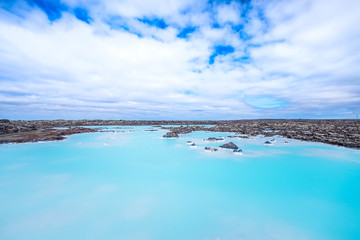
(42,135)
(344,133)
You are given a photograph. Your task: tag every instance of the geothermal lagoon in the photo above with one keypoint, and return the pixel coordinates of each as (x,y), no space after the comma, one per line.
(131,183)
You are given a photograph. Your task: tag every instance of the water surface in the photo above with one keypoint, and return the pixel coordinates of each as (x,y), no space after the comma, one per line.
(133,184)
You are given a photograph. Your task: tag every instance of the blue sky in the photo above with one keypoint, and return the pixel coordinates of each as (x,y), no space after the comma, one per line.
(179,59)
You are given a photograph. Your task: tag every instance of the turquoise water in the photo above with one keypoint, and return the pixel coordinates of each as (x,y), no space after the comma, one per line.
(135,185)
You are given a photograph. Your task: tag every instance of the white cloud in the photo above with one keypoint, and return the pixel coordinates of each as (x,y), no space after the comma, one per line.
(229,13)
(305,54)
(139,8)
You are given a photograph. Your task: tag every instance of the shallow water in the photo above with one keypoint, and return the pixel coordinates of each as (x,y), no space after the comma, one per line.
(133,184)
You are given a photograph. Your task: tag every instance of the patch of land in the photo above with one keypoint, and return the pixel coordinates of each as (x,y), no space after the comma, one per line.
(13,133)
(336,132)
(344,133)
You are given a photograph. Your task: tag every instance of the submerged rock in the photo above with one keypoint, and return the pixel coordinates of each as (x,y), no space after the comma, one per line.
(210,149)
(171,135)
(229,145)
(237,151)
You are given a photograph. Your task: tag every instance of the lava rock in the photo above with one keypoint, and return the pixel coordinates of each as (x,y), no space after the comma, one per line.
(229,145)
(171,135)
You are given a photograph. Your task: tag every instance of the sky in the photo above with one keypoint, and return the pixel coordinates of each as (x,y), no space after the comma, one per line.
(179,59)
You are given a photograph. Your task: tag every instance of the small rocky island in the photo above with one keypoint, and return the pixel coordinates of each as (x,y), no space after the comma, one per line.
(171,135)
(229,145)
(336,132)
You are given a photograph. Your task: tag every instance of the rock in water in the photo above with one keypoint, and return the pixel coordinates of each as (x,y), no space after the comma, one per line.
(171,135)
(229,145)
(237,151)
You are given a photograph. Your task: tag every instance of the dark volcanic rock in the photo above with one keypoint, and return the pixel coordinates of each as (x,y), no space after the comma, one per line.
(171,135)
(42,135)
(4,121)
(229,145)
(336,132)
(210,149)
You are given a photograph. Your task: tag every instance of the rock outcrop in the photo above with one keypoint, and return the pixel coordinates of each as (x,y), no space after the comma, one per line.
(229,145)
(171,135)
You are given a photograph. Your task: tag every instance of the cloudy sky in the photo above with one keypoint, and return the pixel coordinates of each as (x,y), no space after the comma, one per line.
(179,59)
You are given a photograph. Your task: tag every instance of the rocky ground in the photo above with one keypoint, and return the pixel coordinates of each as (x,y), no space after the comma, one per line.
(42,135)
(337,132)
(344,133)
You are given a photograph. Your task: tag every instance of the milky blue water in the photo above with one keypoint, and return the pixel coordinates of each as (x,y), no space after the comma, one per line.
(135,185)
